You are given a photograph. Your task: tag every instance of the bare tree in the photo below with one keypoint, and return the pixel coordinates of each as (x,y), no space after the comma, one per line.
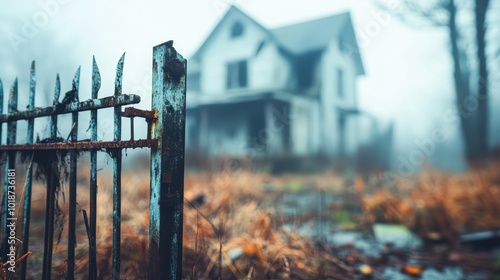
(481,8)
(443,14)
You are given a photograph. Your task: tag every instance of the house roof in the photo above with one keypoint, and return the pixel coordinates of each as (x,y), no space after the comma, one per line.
(316,34)
(221,22)
(304,37)
(312,35)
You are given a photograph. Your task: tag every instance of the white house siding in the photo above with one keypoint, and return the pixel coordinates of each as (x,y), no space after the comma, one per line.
(332,60)
(316,126)
(221,128)
(300,128)
(267,69)
(304,126)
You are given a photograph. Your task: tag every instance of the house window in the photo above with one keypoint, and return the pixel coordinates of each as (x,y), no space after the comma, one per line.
(340,83)
(193,81)
(237,74)
(236,30)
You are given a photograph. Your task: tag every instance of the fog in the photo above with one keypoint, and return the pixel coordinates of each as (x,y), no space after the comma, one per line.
(408,77)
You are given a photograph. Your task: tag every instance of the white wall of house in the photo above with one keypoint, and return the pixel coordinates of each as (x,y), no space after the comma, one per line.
(314,123)
(300,129)
(267,69)
(332,60)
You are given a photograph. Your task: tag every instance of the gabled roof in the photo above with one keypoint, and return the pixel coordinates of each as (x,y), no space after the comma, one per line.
(312,35)
(210,37)
(305,37)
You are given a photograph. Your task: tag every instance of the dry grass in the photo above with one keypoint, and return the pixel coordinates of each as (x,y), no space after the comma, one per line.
(438,204)
(229,217)
(229,233)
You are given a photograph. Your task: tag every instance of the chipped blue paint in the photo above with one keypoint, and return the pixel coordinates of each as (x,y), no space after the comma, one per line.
(1,109)
(106,102)
(167,164)
(76,82)
(96,85)
(29,176)
(49,214)
(167,170)
(70,274)
(117,169)
(10,162)
(53,118)
(31,104)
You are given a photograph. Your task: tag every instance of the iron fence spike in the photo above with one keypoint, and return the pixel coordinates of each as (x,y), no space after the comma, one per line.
(96,78)
(119,75)
(57,90)
(76,83)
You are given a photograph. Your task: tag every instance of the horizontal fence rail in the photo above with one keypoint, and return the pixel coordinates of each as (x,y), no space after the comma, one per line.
(165,137)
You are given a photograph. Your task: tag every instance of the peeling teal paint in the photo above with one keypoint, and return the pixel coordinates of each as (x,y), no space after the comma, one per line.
(169,105)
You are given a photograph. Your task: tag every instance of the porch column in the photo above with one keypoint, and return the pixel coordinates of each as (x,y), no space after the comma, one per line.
(271,133)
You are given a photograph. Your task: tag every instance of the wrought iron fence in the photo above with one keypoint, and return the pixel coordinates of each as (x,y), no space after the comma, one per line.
(165,138)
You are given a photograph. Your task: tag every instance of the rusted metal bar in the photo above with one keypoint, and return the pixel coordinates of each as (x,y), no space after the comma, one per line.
(96,85)
(53,118)
(117,168)
(167,163)
(50,196)
(132,129)
(83,145)
(49,226)
(1,109)
(10,164)
(131,112)
(1,203)
(29,175)
(106,102)
(72,184)
(150,125)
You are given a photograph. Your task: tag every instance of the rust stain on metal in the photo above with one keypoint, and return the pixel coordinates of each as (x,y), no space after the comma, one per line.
(174,71)
(166,178)
(90,104)
(131,112)
(82,145)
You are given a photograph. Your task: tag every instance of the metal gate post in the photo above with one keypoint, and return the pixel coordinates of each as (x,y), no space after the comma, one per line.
(167,163)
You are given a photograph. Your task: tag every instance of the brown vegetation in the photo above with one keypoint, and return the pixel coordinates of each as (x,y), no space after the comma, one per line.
(231,232)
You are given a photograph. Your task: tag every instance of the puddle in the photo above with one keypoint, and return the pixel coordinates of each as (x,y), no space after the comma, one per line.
(308,213)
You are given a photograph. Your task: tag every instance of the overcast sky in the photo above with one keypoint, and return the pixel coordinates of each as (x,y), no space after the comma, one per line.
(408,70)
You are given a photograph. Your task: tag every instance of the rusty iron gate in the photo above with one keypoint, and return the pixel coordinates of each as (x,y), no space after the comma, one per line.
(165,137)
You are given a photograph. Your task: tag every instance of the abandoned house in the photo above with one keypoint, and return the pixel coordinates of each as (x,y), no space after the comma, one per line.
(283,91)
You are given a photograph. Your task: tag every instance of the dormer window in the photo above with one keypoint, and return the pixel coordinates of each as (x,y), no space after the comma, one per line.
(236,30)
(236,74)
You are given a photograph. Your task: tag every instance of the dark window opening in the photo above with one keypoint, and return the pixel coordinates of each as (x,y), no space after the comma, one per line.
(305,66)
(237,74)
(340,83)
(236,30)
(256,123)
